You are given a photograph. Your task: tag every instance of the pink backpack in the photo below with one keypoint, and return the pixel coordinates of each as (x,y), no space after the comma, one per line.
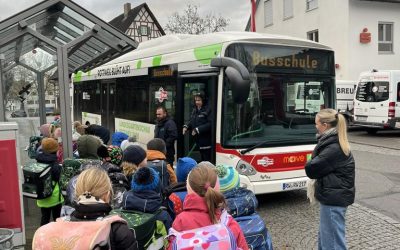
(74,235)
(216,236)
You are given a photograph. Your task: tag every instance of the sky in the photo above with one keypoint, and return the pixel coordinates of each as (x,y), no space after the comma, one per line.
(237,11)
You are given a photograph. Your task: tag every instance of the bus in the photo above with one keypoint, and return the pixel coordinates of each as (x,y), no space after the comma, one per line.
(250,80)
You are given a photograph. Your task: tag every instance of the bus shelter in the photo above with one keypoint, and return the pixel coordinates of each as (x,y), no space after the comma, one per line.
(40,48)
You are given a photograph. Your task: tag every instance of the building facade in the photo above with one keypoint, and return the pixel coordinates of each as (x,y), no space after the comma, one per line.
(364,34)
(139,23)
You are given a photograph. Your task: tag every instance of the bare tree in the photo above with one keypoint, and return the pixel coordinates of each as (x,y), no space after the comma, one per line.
(190,22)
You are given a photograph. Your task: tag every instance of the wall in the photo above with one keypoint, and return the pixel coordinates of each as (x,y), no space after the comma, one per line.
(364,57)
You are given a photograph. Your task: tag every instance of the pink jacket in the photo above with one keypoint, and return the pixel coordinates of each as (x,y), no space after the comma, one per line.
(195,215)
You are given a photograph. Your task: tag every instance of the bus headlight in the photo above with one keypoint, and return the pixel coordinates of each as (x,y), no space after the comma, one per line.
(245,168)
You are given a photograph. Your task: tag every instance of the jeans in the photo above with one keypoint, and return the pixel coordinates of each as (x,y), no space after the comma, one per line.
(332,228)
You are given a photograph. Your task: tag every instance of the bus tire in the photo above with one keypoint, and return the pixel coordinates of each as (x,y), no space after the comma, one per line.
(372,131)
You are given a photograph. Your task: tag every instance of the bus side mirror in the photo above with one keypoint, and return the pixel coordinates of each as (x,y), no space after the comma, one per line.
(240,87)
(238,76)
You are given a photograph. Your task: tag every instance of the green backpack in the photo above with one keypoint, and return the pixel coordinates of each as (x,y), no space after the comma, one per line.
(37,181)
(144,224)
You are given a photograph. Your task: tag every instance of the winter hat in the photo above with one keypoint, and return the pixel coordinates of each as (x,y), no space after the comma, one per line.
(88,145)
(45,130)
(145,178)
(183,167)
(49,145)
(118,137)
(110,153)
(134,154)
(228,177)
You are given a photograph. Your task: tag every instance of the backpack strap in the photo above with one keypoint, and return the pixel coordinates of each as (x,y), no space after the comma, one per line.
(176,201)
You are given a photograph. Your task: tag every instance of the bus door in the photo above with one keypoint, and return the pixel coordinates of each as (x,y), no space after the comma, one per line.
(108,104)
(188,86)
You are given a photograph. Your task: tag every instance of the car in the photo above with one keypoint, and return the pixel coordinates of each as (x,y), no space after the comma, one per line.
(18,113)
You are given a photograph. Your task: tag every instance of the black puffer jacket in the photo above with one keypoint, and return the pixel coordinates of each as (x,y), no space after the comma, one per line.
(121,237)
(200,119)
(334,171)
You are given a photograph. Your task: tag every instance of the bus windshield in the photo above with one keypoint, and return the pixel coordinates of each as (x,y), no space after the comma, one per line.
(281,107)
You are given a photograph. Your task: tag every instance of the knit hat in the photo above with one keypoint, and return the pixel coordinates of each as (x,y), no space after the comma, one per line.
(183,167)
(145,178)
(110,153)
(118,137)
(45,130)
(49,145)
(134,154)
(228,177)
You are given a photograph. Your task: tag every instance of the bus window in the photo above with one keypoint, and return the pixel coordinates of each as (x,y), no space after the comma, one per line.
(398,92)
(162,94)
(372,91)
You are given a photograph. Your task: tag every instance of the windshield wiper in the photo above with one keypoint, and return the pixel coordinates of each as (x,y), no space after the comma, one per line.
(244,151)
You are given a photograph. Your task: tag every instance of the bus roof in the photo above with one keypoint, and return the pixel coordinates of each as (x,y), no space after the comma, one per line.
(179,42)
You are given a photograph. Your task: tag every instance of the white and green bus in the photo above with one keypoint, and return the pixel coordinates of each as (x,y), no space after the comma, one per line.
(251,81)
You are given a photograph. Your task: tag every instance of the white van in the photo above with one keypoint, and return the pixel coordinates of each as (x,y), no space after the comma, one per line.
(344,98)
(376,102)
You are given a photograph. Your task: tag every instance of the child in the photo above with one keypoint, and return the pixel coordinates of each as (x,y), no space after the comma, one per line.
(133,158)
(51,205)
(144,195)
(204,203)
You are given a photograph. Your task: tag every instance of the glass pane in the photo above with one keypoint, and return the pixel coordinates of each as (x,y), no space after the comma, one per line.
(388,33)
(380,32)
(385,47)
(372,91)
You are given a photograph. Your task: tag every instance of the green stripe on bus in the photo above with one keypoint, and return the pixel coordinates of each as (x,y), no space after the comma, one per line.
(78,76)
(139,64)
(157,60)
(205,54)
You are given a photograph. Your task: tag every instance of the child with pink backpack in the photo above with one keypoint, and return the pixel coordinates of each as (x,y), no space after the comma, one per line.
(204,223)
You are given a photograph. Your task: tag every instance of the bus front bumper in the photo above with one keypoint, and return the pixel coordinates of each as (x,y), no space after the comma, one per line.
(273,186)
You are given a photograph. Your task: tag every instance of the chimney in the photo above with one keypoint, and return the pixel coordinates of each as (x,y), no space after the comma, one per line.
(127,8)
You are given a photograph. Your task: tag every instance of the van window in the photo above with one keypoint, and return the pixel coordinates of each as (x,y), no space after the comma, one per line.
(372,91)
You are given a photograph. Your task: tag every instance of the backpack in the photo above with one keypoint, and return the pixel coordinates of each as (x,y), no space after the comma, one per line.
(240,202)
(38,183)
(144,224)
(161,167)
(72,167)
(216,236)
(174,196)
(34,143)
(120,185)
(66,234)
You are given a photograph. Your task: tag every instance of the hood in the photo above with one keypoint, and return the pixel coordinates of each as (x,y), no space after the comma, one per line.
(147,201)
(194,202)
(46,158)
(88,145)
(155,155)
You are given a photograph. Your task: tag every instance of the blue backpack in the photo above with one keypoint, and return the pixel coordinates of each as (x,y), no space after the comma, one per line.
(240,202)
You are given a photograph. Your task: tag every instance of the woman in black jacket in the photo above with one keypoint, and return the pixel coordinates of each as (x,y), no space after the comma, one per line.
(93,190)
(333,168)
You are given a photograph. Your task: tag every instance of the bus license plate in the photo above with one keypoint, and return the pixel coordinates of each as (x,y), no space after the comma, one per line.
(293,185)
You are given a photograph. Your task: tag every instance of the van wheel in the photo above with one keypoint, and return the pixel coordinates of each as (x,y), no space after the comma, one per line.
(372,131)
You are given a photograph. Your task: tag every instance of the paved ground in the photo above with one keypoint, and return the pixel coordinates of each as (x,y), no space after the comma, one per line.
(293,224)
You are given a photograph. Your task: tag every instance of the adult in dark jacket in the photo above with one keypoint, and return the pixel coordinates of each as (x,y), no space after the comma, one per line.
(200,125)
(50,206)
(145,195)
(100,131)
(93,190)
(166,130)
(333,168)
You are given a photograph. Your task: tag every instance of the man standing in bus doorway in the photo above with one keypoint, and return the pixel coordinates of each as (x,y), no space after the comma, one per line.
(167,131)
(200,125)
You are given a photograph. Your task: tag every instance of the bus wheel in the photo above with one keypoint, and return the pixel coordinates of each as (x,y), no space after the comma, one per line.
(372,131)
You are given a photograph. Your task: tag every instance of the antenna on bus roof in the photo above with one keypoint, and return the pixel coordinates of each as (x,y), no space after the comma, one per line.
(374,70)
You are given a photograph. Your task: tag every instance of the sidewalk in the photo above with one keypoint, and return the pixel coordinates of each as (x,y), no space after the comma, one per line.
(293,224)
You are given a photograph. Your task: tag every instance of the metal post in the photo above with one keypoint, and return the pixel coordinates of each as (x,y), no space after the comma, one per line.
(41,96)
(65,107)
(2,91)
